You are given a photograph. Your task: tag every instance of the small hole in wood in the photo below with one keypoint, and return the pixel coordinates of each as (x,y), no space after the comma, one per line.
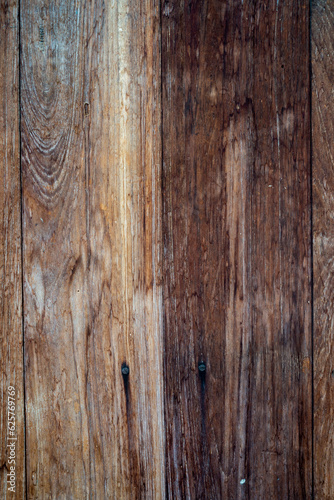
(86,107)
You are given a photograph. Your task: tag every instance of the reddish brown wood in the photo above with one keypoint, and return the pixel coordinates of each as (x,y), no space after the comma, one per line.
(323,229)
(11,335)
(237,248)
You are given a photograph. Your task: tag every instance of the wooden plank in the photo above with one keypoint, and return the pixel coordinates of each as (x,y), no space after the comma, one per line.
(11,335)
(237,247)
(323,230)
(91,158)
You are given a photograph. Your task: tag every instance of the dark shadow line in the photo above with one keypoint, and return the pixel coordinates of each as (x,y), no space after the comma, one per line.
(311,236)
(22,250)
(162,201)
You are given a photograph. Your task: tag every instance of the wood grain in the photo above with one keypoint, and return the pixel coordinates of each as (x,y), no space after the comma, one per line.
(91,156)
(237,249)
(323,231)
(11,335)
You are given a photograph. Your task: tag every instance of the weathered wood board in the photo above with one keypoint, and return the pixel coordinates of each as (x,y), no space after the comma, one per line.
(323,232)
(157,200)
(91,157)
(237,248)
(11,334)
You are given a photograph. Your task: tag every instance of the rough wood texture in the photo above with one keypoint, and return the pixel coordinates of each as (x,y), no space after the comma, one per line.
(236,208)
(323,248)
(167,313)
(91,160)
(11,335)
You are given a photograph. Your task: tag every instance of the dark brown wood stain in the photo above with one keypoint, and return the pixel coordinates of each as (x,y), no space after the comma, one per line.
(323,230)
(236,208)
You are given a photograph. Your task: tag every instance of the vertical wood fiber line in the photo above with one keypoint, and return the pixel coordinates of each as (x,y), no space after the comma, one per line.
(237,249)
(11,335)
(322,40)
(91,159)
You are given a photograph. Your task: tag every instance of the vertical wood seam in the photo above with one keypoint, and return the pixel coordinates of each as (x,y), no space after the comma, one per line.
(25,478)
(164,416)
(311,244)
